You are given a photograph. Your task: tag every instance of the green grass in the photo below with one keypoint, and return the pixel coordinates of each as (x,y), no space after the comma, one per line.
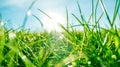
(94,46)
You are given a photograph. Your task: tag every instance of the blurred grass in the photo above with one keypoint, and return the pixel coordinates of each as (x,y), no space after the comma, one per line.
(94,46)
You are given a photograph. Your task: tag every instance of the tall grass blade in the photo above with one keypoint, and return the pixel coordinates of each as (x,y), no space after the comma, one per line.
(65,29)
(81,12)
(100,18)
(24,22)
(96,10)
(105,11)
(85,25)
(97,25)
(26,16)
(45,13)
(97,21)
(0,17)
(0,20)
(67,18)
(92,11)
(89,19)
(116,9)
(119,16)
(78,20)
(38,20)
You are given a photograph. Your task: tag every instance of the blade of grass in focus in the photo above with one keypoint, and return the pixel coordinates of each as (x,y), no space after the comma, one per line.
(116,9)
(106,13)
(83,20)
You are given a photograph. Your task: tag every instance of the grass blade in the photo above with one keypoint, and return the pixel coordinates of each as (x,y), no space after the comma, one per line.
(0,20)
(65,29)
(28,63)
(89,18)
(98,21)
(45,13)
(81,12)
(2,40)
(119,16)
(38,20)
(92,11)
(96,10)
(116,9)
(0,17)
(67,18)
(26,16)
(105,11)
(78,19)
(86,26)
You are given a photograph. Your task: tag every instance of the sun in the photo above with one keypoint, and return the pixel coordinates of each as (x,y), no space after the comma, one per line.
(52,24)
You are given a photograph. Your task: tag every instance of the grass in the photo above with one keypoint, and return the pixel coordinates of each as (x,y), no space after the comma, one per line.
(94,46)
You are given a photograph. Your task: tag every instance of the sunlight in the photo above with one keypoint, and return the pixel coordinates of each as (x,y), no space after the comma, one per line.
(2,23)
(53,23)
(29,12)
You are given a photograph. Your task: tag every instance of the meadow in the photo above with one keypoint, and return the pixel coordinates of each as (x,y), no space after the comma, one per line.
(94,46)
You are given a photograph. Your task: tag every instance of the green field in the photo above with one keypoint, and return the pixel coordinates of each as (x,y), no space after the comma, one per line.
(94,46)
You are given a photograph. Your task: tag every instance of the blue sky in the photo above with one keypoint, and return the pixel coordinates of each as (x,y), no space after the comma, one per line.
(14,11)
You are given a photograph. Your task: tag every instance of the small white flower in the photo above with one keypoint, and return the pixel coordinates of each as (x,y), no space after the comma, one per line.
(12,35)
(29,12)
(89,62)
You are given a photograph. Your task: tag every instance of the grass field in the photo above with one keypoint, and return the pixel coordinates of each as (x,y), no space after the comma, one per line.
(94,46)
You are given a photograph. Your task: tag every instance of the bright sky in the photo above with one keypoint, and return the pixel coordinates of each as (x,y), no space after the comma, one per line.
(14,11)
